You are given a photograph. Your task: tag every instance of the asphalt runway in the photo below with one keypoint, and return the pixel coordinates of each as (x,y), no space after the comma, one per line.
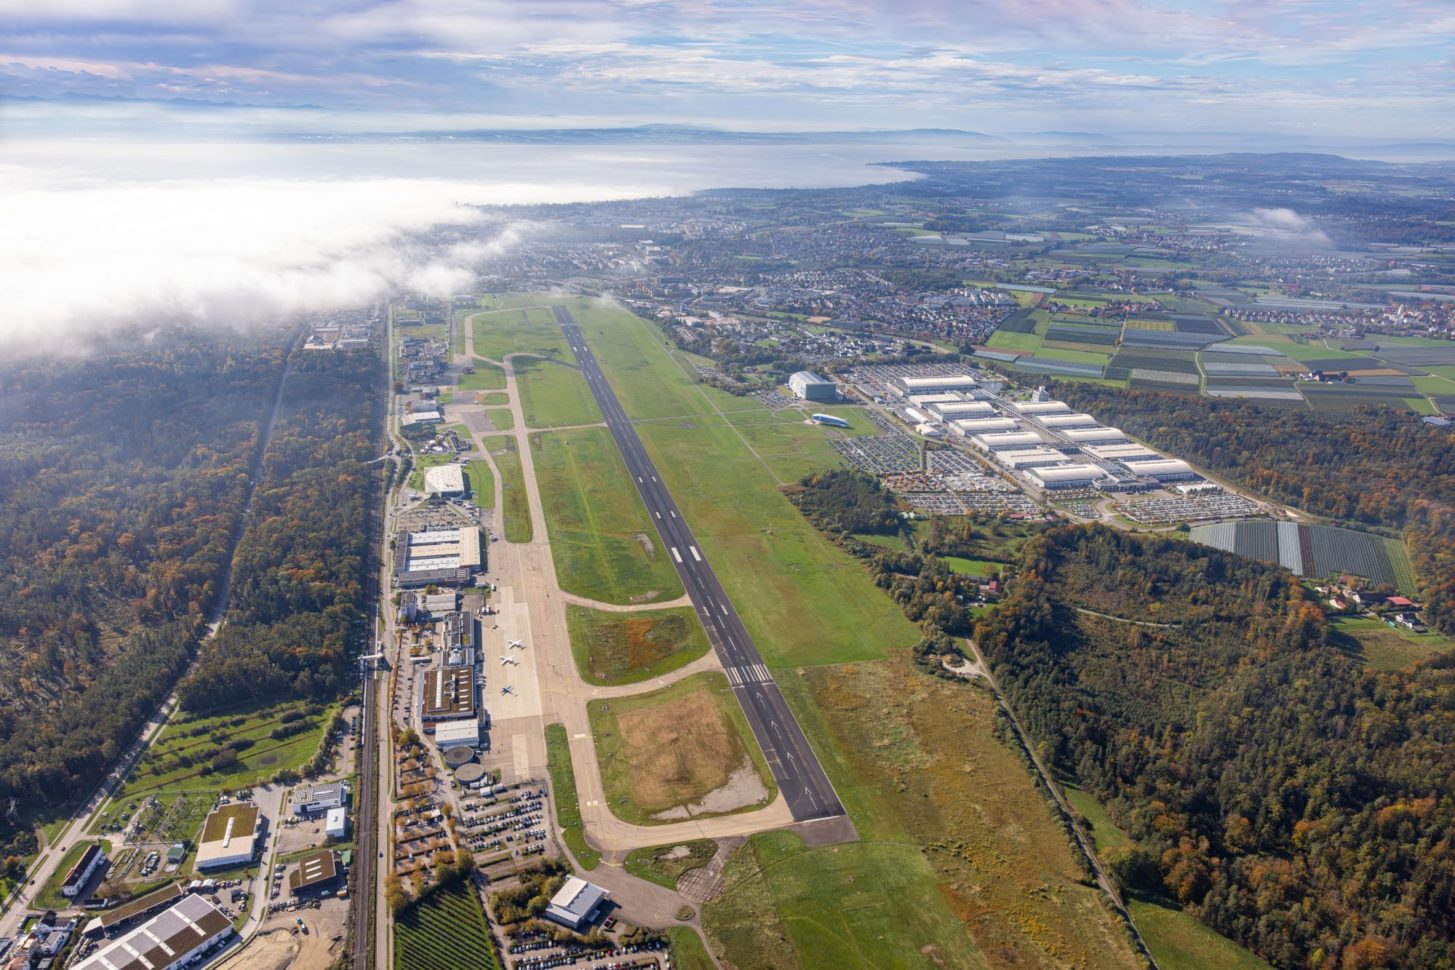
(795,767)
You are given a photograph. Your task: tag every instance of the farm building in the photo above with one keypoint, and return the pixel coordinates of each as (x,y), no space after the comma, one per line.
(1042,407)
(1006,441)
(1164,470)
(1089,436)
(444,480)
(962,409)
(1029,458)
(970,426)
(577,904)
(175,937)
(808,386)
(229,837)
(1066,476)
(1061,421)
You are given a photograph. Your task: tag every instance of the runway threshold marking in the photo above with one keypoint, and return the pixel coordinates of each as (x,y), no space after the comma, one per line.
(676,555)
(695,554)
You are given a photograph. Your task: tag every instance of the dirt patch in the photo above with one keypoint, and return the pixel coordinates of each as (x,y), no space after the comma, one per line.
(679,751)
(280,942)
(743,789)
(648,546)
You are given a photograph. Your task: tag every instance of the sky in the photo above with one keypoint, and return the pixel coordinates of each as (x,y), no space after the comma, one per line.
(1266,68)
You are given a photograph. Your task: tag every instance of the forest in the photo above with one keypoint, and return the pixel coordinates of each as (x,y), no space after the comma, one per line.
(1371,467)
(299,574)
(122,480)
(1292,800)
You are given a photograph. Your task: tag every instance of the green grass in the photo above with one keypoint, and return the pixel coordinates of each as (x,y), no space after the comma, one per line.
(160,770)
(1180,942)
(495,399)
(1003,340)
(568,807)
(501,419)
(803,600)
(553,395)
(1076,356)
(792,449)
(517,504)
(654,865)
(864,904)
(896,542)
(602,540)
(618,774)
(532,331)
(1383,647)
(487,377)
(50,896)
(1105,834)
(688,952)
(971,567)
(445,931)
(481,483)
(628,648)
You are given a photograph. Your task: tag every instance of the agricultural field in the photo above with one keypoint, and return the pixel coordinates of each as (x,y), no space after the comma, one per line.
(518,526)
(665,864)
(226,751)
(1380,646)
(602,540)
(684,751)
(1316,551)
(553,395)
(563,789)
(481,483)
(627,648)
(527,331)
(445,931)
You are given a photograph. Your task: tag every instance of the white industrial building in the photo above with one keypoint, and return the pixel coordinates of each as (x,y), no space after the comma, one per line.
(968,426)
(922,400)
(1090,436)
(1164,470)
(962,409)
(175,937)
(1059,421)
(318,799)
(929,385)
(808,386)
(1006,440)
(1122,453)
(1042,407)
(452,734)
(578,903)
(336,823)
(1029,458)
(1065,476)
(446,480)
(229,837)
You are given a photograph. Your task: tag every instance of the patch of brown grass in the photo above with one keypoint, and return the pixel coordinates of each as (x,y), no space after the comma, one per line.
(678,750)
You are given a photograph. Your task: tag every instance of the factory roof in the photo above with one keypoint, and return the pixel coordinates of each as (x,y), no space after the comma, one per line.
(444,479)
(448,692)
(164,939)
(577,901)
(312,871)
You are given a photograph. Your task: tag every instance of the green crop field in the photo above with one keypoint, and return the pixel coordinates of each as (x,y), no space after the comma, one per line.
(603,543)
(668,749)
(563,788)
(512,479)
(530,331)
(627,648)
(481,483)
(665,864)
(445,931)
(553,395)
(487,377)
(1005,340)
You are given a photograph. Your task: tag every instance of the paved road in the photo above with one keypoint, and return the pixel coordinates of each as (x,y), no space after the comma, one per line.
(795,767)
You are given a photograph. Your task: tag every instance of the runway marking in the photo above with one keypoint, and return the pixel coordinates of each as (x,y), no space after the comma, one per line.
(723,608)
(672,513)
(734,677)
(695,554)
(639,480)
(676,555)
(658,514)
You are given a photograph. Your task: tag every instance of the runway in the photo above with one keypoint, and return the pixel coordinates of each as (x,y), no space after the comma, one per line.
(795,767)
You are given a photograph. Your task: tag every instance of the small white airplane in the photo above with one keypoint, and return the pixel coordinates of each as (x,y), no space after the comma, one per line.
(507,689)
(517,645)
(509,660)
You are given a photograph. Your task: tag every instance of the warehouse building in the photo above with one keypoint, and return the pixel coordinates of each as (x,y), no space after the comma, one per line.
(1122,453)
(1164,469)
(336,824)
(312,800)
(1065,476)
(445,481)
(924,400)
(1029,458)
(1094,436)
(229,837)
(577,904)
(1062,421)
(447,694)
(968,426)
(1042,407)
(175,937)
(934,385)
(450,734)
(313,874)
(1006,440)
(961,409)
(440,557)
(808,386)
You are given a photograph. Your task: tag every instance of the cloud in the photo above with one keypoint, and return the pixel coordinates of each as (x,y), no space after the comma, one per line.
(1285,229)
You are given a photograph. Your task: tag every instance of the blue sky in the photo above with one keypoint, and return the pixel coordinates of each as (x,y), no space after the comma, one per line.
(1294,67)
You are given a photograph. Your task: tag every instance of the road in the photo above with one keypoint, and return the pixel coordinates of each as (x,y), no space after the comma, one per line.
(795,767)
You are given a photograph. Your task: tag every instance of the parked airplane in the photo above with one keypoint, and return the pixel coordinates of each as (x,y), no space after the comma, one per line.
(507,689)
(509,660)
(517,645)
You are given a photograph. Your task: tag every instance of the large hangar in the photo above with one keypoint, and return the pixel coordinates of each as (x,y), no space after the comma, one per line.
(444,557)
(1066,476)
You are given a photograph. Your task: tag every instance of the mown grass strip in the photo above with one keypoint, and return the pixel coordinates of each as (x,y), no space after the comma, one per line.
(568,807)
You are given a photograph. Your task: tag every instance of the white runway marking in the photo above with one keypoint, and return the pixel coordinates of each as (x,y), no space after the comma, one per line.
(676,555)
(695,554)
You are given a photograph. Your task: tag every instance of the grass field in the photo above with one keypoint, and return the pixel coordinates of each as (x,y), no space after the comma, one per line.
(1104,832)
(790,448)
(530,331)
(627,648)
(177,760)
(517,504)
(971,567)
(501,419)
(665,864)
(803,600)
(481,483)
(675,747)
(688,953)
(1180,942)
(568,807)
(1383,647)
(553,395)
(1003,340)
(445,931)
(494,398)
(604,545)
(487,377)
